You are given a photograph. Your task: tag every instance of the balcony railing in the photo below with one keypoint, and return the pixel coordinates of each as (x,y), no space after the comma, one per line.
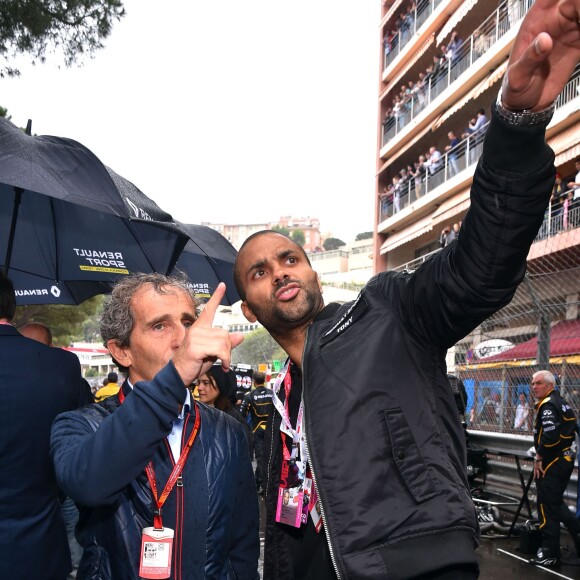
(559,218)
(465,154)
(415,19)
(483,38)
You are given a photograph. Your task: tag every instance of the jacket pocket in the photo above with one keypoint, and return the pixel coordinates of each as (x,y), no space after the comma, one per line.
(407,457)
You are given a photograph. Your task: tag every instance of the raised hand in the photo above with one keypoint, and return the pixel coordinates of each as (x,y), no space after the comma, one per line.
(203,344)
(544,55)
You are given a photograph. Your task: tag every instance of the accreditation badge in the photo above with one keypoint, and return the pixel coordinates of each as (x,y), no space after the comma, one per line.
(289,507)
(156,548)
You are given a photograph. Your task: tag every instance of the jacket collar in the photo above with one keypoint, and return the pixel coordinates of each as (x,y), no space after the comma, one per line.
(327,312)
(544,400)
(8,330)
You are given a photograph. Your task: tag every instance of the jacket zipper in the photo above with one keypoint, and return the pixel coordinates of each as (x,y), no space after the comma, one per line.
(268,474)
(324,521)
(178,528)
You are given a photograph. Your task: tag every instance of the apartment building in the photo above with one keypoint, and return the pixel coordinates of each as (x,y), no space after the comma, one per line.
(409,224)
(442,62)
(237,233)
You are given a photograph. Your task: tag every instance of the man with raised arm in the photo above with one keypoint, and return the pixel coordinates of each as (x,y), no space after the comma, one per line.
(366,425)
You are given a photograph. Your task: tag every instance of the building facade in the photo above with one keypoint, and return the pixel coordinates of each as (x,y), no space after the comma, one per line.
(236,234)
(442,62)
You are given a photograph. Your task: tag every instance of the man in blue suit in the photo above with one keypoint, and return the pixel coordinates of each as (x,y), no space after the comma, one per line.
(36,384)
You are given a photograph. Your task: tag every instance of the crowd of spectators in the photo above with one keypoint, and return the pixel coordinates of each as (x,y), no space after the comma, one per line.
(565,201)
(411,178)
(414,93)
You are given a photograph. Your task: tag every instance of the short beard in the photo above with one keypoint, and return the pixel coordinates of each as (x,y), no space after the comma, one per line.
(309,306)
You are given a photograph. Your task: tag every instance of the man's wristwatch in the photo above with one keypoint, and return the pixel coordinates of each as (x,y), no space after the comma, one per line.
(523,118)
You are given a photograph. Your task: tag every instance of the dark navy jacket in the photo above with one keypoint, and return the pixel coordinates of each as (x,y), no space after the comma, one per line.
(37,383)
(100,453)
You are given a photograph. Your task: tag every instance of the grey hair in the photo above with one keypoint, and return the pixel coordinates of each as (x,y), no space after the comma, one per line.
(117,319)
(547,376)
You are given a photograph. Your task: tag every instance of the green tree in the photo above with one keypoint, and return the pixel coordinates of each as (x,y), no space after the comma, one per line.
(298,237)
(75,28)
(332,244)
(91,326)
(364,236)
(258,347)
(4,114)
(65,322)
(281,230)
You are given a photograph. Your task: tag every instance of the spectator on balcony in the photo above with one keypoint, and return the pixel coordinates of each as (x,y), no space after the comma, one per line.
(388,121)
(385,198)
(480,123)
(398,112)
(470,129)
(451,150)
(435,162)
(387,45)
(558,198)
(479,44)
(575,185)
(444,237)
(443,54)
(436,71)
(454,233)
(406,26)
(396,195)
(404,179)
(421,88)
(419,175)
(453,47)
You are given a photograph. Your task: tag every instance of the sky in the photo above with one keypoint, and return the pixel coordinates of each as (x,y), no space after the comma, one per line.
(226,111)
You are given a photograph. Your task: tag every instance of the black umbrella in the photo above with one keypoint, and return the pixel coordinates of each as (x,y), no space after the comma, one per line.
(208,259)
(31,289)
(64,216)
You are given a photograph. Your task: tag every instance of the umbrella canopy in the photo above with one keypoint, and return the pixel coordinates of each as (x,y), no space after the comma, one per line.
(31,289)
(208,259)
(64,216)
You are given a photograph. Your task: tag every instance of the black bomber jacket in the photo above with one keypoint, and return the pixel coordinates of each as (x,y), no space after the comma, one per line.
(384,437)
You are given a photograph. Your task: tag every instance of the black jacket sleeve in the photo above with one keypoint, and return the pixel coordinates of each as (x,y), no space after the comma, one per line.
(476,275)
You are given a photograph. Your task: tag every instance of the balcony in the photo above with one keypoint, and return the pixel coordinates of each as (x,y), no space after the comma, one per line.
(455,161)
(552,226)
(480,43)
(464,156)
(395,45)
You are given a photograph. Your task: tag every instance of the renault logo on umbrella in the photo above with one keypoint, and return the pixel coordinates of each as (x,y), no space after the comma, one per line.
(55,291)
(139,213)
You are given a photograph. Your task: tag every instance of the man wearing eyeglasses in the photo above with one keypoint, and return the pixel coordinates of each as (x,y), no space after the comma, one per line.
(554,434)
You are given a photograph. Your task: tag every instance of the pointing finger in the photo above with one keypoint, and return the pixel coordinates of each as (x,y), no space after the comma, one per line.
(208,313)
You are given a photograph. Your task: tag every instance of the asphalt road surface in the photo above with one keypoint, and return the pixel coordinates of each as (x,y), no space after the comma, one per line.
(499,558)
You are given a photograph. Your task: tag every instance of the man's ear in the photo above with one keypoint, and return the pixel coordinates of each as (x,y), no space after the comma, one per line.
(250,316)
(121,354)
(319,283)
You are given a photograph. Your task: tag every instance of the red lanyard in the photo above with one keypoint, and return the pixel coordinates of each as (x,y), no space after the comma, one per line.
(175,473)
